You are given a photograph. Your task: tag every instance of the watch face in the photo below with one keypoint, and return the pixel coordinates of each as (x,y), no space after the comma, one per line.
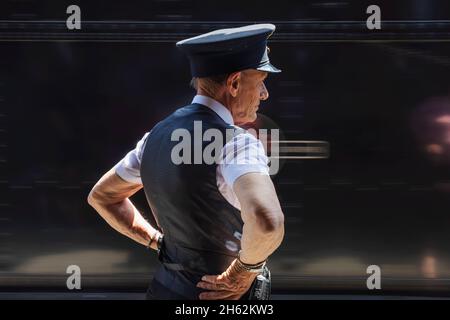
(159,242)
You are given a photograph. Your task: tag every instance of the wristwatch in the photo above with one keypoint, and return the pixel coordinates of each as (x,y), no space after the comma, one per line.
(254,268)
(159,241)
(158,238)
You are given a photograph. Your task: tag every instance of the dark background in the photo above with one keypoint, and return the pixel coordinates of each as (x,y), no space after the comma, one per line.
(70,108)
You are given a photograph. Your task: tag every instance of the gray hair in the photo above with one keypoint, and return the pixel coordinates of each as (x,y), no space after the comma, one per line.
(211,83)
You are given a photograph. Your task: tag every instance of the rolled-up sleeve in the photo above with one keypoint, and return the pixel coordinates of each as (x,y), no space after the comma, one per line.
(241,155)
(129,168)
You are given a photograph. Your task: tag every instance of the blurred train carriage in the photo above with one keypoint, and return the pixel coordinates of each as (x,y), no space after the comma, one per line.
(374,191)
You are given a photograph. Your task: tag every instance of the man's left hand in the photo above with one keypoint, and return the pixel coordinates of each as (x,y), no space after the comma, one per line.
(230,285)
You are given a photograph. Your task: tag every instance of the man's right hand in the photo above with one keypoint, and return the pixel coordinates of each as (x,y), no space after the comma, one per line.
(230,285)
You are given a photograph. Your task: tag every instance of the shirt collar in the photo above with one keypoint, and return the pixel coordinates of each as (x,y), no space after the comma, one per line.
(216,106)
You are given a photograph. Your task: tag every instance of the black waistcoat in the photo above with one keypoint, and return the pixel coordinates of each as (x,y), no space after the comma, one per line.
(201,229)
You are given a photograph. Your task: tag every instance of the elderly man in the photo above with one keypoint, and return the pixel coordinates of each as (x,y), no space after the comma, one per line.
(217,223)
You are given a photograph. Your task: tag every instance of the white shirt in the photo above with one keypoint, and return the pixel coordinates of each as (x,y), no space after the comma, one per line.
(244,154)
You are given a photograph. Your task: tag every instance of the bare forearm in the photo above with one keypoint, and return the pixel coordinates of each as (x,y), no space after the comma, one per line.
(126,219)
(110,198)
(257,244)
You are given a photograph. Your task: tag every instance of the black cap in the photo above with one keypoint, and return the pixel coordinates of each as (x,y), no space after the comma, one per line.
(229,50)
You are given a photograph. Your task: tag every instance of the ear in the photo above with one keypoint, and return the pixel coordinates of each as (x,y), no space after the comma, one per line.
(233,83)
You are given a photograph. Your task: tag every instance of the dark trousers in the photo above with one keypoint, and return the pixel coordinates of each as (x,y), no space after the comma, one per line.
(157,291)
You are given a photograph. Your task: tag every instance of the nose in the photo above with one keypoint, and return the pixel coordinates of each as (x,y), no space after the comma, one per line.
(264,94)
